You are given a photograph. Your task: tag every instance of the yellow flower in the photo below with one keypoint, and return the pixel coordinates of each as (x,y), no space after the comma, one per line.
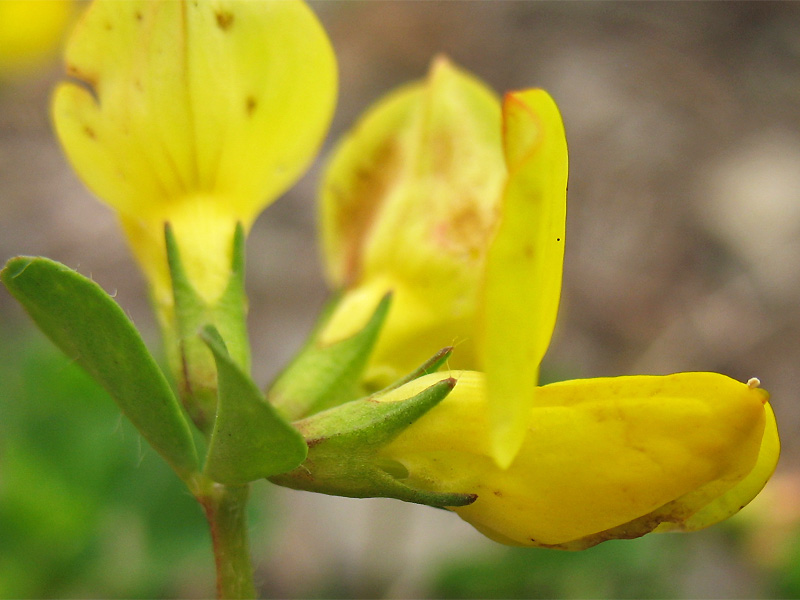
(408,204)
(458,206)
(194,113)
(30,33)
(601,458)
(566,465)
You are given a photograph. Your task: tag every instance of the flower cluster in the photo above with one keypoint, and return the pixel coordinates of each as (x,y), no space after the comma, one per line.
(442,223)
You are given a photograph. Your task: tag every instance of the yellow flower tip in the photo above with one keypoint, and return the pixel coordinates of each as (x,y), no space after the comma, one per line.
(440,63)
(508,432)
(715,505)
(218,100)
(530,119)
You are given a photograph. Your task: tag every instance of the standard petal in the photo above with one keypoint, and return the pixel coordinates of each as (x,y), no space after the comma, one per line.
(598,454)
(273,94)
(362,175)
(195,97)
(196,113)
(408,203)
(522,284)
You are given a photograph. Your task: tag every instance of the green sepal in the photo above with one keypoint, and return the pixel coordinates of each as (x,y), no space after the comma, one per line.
(344,444)
(429,366)
(250,439)
(191,361)
(322,377)
(90,328)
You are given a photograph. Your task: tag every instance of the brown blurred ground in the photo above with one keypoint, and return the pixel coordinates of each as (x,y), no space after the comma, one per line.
(683,121)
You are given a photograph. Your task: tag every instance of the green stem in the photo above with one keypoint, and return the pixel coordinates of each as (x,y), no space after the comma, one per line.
(225,508)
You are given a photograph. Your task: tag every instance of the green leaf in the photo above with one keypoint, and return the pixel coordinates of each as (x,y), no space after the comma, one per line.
(89,327)
(250,439)
(321,377)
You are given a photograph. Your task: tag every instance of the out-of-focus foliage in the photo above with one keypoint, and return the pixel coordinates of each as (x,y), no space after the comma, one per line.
(612,570)
(85,506)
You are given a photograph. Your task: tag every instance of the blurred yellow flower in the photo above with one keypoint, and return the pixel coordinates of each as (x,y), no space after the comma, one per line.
(458,205)
(408,203)
(194,113)
(31,33)
(601,458)
(565,465)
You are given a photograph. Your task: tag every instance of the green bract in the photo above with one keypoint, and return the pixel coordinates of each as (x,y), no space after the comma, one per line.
(250,440)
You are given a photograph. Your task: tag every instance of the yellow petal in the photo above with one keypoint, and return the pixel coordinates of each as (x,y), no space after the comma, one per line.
(598,454)
(220,100)
(363,174)
(204,231)
(742,493)
(524,265)
(30,33)
(408,203)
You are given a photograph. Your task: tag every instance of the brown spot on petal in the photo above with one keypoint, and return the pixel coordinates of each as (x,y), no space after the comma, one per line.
(224,20)
(465,230)
(250,105)
(359,203)
(89,132)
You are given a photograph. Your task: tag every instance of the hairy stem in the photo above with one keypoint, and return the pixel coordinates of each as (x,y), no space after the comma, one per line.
(225,508)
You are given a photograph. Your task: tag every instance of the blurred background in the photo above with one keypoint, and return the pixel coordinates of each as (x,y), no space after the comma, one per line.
(683,121)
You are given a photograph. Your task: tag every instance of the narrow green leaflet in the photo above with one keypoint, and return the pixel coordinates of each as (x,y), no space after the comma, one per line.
(250,439)
(89,327)
(321,377)
(366,424)
(429,366)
